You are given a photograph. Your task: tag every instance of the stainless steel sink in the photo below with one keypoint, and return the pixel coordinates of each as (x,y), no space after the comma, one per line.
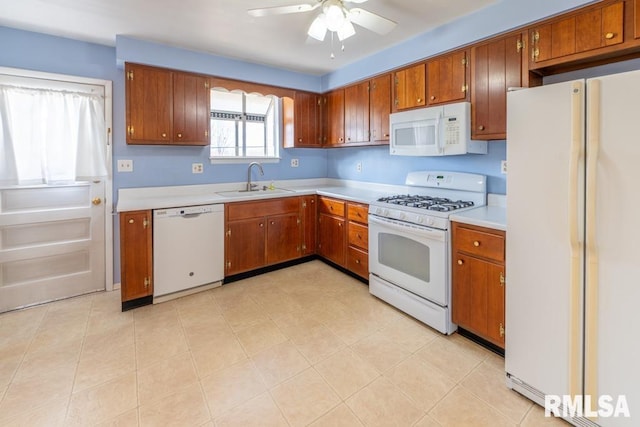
(255,193)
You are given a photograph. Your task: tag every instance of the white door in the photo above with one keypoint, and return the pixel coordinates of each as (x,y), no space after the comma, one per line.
(613,239)
(543,328)
(51,242)
(52,236)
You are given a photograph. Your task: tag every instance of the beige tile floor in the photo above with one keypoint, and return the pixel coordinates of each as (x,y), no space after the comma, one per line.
(306,345)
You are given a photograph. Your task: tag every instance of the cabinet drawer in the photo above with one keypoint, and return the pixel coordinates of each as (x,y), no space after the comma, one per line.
(480,243)
(331,206)
(358,262)
(359,235)
(358,213)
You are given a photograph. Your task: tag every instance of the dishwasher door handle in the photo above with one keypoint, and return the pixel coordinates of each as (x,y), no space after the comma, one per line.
(191,215)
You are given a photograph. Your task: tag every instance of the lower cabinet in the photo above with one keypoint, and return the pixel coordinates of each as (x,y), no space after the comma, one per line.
(343,234)
(309,216)
(136,256)
(478,281)
(358,239)
(332,233)
(261,233)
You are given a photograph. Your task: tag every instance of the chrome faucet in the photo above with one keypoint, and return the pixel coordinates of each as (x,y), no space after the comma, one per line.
(250,186)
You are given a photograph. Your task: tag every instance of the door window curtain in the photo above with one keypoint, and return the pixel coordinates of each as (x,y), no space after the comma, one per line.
(51,136)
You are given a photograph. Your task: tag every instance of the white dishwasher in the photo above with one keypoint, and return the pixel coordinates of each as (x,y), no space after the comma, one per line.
(188,250)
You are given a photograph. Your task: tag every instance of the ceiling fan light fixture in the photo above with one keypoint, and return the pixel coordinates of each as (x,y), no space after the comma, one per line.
(318,28)
(347,30)
(334,16)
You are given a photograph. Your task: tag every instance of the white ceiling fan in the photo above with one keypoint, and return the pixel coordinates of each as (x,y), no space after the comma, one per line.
(335,17)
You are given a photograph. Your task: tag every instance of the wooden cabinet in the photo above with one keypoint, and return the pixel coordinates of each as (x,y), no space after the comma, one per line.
(136,256)
(191,109)
(380,108)
(447,78)
(332,235)
(496,66)
(358,239)
(582,32)
(636,19)
(166,107)
(261,233)
(409,87)
(309,216)
(343,234)
(478,281)
(334,118)
(307,129)
(356,113)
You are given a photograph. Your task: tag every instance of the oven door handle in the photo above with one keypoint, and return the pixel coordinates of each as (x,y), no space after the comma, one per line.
(429,233)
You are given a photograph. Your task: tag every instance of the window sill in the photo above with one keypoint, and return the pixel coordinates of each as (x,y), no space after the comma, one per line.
(241,160)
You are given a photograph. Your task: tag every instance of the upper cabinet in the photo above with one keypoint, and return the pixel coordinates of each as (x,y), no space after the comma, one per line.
(447,78)
(356,113)
(409,87)
(380,108)
(496,66)
(307,130)
(579,36)
(334,118)
(166,107)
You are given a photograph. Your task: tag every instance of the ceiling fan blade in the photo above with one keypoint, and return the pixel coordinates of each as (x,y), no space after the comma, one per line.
(281,10)
(371,21)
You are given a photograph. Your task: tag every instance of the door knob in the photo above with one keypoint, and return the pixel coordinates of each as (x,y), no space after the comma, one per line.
(96,201)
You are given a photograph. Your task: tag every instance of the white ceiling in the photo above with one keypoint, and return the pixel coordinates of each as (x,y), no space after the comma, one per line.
(222,27)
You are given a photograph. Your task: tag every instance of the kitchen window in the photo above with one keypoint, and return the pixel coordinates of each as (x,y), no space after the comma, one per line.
(244,126)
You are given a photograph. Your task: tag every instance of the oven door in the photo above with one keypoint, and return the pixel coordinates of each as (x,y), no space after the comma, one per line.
(411,257)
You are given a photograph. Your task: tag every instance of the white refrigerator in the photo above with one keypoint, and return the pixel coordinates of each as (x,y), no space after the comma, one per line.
(573,247)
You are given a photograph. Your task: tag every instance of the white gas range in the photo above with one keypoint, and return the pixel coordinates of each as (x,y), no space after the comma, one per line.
(409,243)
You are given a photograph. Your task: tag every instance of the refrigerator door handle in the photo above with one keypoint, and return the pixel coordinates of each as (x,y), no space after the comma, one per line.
(576,156)
(591,275)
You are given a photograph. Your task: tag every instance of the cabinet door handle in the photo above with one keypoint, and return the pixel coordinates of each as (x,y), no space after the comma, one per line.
(179,135)
(460,262)
(131,221)
(273,223)
(432,98)
(261,224)
(164,135)
(609,36)
(480,127)
(476,243)
(419,100)
(299,139)
(357,261)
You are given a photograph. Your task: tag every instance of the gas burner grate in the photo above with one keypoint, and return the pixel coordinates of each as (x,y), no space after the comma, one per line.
(439,204)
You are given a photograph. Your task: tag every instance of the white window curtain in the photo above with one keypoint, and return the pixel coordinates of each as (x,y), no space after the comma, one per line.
(50,135)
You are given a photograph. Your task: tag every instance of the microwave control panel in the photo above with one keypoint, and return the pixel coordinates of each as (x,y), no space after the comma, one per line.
(451,131)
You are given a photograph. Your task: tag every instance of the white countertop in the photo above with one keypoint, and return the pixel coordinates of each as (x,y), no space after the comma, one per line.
(494,215)
(132,199)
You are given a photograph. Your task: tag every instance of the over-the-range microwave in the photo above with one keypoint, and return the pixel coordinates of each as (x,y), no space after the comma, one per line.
(434,131)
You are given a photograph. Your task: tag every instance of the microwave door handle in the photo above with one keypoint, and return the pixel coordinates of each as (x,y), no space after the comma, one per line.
(437,135)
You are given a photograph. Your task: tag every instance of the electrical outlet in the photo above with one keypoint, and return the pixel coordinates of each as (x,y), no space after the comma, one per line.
(125,165)
(196,168)
(359,167)
(295,163)
(503,167)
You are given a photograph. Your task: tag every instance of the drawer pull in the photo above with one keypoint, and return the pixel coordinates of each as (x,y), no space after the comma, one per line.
(609,36)
(460,262)
(131,221)
(164,135)
(476,243)
(261,224)
(357,261)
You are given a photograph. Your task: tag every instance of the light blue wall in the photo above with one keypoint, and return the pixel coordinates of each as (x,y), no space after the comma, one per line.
(379,166)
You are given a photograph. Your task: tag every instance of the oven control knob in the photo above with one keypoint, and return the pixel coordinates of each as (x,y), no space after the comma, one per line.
(378,211)
(402,215)
(385,212)
(430,221)
(420,219)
